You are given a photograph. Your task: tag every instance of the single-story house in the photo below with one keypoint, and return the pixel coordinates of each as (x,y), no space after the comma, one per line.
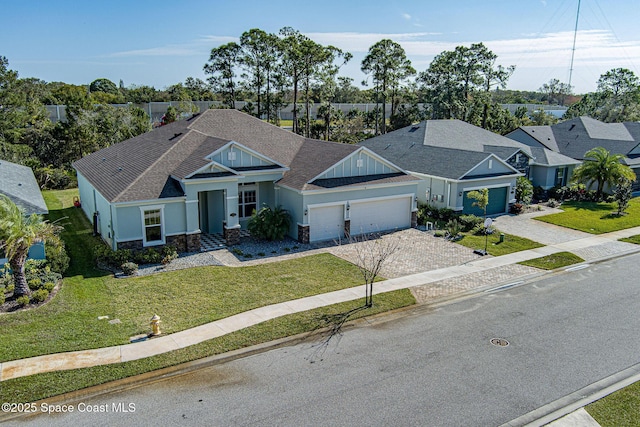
(573,138)
(20,186)
(207,174)
(452,158)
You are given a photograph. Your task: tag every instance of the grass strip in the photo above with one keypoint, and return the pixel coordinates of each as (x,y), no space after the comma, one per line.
(633,239)
(619,409)
(510,244)
(553,261)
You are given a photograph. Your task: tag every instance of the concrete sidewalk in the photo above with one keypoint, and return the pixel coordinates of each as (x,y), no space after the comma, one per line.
(175,341)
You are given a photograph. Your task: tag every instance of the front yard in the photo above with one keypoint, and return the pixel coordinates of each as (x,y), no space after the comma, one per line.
(183,299)
(595,218)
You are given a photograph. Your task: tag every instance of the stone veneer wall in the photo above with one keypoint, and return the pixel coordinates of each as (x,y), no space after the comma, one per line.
(182,243)
(303,233)
(232,236)
(134,245)
(347,228)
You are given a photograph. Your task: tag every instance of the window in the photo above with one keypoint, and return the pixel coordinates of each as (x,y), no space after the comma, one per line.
(560,176)
(152,224)
(247,200)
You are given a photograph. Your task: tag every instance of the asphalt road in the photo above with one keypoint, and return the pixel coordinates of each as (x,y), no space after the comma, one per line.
(432,367)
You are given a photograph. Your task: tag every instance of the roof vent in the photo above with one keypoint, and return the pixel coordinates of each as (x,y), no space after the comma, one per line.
(104,159)
(388,145)
(412,144)
(572,126)
(175,135)
(414,128)
(120,169)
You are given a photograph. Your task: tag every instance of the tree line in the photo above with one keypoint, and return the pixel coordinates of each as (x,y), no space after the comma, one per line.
(273,71)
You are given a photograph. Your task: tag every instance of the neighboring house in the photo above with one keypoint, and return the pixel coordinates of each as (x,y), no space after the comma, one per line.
(573,138)
(452,157)
(207,174)
(19,184)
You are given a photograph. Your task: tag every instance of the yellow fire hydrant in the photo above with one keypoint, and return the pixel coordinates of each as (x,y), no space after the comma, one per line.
(155,325)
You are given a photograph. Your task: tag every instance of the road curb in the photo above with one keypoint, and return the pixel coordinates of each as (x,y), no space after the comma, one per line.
(578,399)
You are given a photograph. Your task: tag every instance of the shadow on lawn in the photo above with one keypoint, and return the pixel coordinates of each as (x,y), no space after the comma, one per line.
(79,241)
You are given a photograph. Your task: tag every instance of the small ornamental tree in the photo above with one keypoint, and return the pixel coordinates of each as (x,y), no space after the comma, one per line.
(623,194)
(481,198)
(524,190)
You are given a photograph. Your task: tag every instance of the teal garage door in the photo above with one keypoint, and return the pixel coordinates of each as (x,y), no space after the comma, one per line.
(497,202)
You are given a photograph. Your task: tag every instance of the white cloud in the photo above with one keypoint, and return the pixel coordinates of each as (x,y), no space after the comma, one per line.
(406,16)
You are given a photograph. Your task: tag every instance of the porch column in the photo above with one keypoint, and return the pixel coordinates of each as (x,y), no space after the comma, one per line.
(232,223)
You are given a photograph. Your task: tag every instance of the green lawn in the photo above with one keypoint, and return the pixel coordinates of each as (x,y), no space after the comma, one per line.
(182,299)
(633,239)
(619,409)
(495,247)
(553,261)
(595,218)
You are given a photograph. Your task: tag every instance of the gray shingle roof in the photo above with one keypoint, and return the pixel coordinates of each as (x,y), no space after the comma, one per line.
(146,167)
(448,148)
(20,185)
(573,138)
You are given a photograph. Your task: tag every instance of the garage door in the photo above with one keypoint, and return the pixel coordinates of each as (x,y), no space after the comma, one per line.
(326,223)
(380,215)
(497,202)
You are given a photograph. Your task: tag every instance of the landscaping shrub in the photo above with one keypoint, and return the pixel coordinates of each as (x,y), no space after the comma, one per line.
(147,256)
(553,203)
(57,257)
(439,233)
(129,268)
(22,301)
(524,190)
(434,214)
(34,284)
(269,224)
(39,296)
(516,208)
(469,222)
(49,286)
(480,230)
(454,229)
(577,192)
(540,193)
(169,253)
(2,297)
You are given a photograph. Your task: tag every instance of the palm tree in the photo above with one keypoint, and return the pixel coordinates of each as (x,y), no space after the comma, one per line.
(602,167)
(17,233)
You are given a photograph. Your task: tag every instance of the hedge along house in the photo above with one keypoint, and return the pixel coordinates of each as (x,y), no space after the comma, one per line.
(20,186)
(573,138)
(452,157)
(207,174)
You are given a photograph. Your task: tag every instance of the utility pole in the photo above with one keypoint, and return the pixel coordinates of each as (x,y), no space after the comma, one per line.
(573,50)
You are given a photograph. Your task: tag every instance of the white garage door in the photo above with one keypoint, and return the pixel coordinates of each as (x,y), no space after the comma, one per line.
(326,223)
(380,215)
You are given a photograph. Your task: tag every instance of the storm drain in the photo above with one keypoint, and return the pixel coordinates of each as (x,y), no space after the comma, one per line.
(500,342)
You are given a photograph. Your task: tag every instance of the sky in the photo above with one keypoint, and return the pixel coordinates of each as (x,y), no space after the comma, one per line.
(160,43)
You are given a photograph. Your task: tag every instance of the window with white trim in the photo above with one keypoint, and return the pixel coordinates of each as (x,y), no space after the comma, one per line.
(247,199)
(152,226)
